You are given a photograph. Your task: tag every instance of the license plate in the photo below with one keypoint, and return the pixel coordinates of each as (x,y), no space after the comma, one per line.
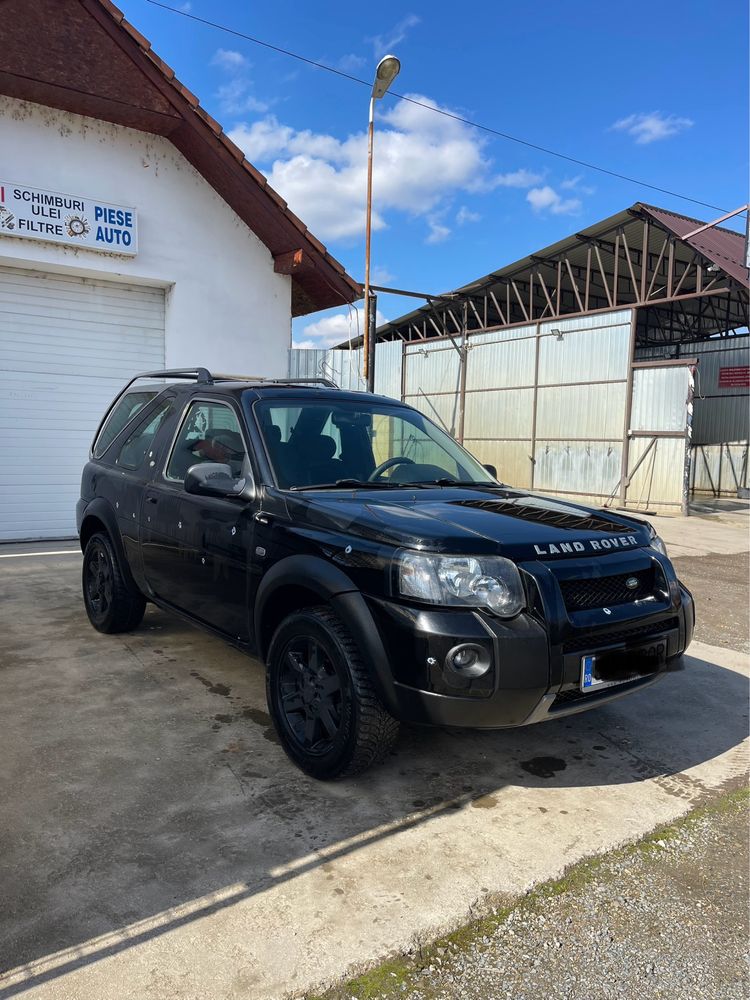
(603,670)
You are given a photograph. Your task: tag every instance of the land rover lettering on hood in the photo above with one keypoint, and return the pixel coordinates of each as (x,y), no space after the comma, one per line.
(378,570)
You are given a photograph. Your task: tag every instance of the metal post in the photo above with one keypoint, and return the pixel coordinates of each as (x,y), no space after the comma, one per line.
(628,411)
(368,233)
(688,456)
(370,341)
(535,398)
(462,374)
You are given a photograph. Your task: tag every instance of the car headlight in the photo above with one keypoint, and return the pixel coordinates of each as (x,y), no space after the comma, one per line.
(657,543)
(490,582)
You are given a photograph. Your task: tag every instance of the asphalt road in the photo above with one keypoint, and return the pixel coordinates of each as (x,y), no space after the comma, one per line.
(719,583)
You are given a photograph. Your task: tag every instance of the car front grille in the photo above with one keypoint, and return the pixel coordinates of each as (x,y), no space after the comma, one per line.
(633,634)
(607,591)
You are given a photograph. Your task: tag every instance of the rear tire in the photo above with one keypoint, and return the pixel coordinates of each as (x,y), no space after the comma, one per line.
(112,604)
(329,719)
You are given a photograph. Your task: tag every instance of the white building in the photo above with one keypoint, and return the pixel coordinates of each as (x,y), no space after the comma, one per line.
(133,236)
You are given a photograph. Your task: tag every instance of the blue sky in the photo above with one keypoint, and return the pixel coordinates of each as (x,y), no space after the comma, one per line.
(653,90)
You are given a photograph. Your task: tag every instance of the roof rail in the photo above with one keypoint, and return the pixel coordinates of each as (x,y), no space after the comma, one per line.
(260,380)
(300,381)
(201,375)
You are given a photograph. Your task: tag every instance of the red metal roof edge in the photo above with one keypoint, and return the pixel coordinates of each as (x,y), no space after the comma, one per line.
(723,247)
(218,132)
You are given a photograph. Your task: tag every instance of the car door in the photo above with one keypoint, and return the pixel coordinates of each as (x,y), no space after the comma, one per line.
(196,548)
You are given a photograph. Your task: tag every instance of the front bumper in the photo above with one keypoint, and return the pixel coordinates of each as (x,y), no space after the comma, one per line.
(536,659)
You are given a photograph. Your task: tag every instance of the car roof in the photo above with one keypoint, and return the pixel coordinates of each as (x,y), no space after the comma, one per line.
(279,391)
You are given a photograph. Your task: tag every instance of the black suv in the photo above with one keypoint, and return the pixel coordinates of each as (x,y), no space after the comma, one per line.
(374,565)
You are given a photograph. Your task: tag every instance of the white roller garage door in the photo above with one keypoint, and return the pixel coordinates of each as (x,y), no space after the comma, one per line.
(67,344)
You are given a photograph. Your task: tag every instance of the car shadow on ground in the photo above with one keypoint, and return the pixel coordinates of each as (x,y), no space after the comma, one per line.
(142,774)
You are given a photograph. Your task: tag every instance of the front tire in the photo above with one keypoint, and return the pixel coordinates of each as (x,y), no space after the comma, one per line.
(111,603)
(321,699)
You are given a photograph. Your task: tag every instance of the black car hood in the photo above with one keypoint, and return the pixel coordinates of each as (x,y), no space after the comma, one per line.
(519,524)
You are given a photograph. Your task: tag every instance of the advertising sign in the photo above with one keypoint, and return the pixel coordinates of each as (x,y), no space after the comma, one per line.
(737,377)
(33,214)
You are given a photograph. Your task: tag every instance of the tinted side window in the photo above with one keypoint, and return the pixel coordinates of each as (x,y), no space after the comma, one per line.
(134,450)
(122,413)
(210,432)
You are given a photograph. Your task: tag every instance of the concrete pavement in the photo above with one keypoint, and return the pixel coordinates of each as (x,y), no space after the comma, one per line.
(719,526)
(157,843)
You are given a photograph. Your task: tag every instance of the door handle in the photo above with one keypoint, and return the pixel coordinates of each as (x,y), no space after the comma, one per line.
(151,500)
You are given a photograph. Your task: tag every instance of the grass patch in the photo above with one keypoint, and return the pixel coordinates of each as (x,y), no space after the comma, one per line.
(388,978)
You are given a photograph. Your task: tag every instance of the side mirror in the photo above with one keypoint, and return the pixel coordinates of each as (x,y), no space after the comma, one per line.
(492,470)
(213,479)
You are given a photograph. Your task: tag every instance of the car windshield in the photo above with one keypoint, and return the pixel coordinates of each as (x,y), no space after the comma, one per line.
(349,443)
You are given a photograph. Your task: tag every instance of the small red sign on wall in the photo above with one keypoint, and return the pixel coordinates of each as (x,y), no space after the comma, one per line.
(735,378)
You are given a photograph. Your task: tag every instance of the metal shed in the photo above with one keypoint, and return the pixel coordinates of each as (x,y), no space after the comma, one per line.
(610,366)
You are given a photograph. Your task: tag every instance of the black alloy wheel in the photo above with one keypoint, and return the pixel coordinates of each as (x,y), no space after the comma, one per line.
(312,698)
(98,579)
(112,603)
(320,696)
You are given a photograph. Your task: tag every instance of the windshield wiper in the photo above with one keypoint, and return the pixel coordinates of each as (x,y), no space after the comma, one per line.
(453,482)
(343,484)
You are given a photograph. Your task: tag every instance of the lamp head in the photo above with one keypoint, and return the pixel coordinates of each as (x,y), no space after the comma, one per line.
(387,71)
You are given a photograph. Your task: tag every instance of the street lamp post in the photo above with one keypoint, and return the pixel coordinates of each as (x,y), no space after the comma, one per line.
(385,74)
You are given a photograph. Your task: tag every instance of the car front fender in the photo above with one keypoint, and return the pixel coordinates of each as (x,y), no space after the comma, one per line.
(337,590)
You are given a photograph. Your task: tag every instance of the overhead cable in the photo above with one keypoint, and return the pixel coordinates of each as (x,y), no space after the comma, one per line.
(436,110)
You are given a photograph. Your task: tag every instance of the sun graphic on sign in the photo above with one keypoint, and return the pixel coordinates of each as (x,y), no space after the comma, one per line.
(7,219)
(76,225)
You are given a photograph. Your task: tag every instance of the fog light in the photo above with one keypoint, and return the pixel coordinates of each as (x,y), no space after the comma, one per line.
(468,660)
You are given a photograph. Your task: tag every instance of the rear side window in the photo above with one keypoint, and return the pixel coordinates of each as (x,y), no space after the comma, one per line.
(122,413)
(135,449)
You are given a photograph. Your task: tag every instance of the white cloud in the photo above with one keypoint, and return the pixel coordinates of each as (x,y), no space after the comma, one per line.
(421,161)
(350,62)
(330,331)
(464,215)
(438,232)
(651,127)
(229,59)
(384,43)
(574,184)
(546,199)
(380,275)
(517,179)
(235,99)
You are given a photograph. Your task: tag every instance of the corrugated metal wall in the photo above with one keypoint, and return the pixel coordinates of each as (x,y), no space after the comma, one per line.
(719,469)
(583,371)
(431,382)
(721,413)
(545,403)
(345,367)
(499,418)
(342,367)
(659,422)
(531,393)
